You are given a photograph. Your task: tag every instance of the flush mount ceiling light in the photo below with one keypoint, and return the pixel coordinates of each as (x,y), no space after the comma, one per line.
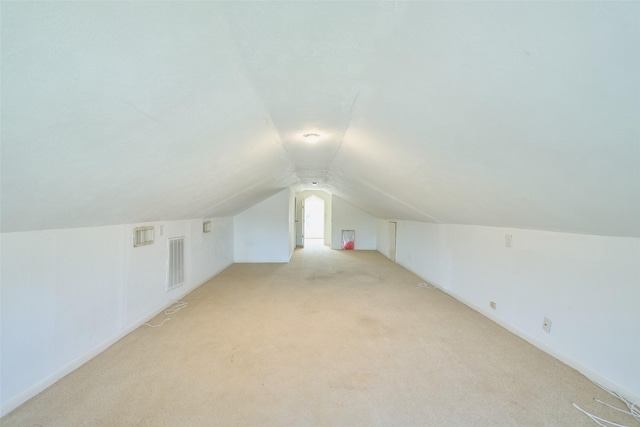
(311,138)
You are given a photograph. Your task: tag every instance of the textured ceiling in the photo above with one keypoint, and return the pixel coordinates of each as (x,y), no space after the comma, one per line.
(519,114)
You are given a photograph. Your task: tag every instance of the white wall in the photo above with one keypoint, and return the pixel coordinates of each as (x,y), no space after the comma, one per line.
(300,197)
(382,237)
(589,286)
(262,232)
(68,294)
(345,216)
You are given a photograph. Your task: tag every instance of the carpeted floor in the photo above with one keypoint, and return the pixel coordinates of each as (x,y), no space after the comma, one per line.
(334,338)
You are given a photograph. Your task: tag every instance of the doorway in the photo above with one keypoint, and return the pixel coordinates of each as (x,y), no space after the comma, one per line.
(313,220)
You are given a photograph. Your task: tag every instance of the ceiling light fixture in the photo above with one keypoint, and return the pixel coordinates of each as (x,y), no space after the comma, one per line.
(311,138)
(314,183)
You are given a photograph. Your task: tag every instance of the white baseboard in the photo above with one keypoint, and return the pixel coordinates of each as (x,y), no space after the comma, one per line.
(18,400)
(67,369)
(584,370)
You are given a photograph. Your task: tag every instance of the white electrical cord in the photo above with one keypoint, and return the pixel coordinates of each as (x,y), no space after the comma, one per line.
(598,419)
(426,285)
(175,307)
(614,407)
(634,410)
(171,310)
(160,324)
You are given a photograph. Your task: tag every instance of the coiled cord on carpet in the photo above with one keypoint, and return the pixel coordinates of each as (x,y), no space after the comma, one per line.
(171,310)
(426,285)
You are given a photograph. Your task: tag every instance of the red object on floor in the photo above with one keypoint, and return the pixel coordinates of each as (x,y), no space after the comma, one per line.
(348,245)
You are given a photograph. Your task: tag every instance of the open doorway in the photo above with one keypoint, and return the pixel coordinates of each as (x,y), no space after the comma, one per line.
(313,221)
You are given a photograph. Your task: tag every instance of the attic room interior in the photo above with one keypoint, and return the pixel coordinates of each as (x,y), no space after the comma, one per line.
(157,159)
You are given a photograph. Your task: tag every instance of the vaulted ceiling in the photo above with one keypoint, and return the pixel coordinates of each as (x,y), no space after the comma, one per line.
(515,114)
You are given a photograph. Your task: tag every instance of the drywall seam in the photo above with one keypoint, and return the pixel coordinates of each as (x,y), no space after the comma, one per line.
(587,372)
(18,400)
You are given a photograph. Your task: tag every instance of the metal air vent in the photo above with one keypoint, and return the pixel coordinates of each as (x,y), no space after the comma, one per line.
(175,263)
(143,236)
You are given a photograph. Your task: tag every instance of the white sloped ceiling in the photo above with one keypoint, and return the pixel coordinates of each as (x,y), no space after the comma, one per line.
(117,112)
(508,114)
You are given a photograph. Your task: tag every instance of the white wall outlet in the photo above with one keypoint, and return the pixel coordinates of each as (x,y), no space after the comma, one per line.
(546,325)
(492,304)
(508,240)
(161,230)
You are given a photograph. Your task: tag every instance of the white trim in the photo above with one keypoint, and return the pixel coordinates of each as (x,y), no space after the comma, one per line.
(264,261)
(584,370)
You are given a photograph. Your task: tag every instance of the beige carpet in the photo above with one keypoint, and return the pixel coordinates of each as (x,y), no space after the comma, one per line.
(334,338)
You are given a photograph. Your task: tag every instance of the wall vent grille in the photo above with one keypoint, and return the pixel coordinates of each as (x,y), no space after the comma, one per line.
(143,236)
(175,270)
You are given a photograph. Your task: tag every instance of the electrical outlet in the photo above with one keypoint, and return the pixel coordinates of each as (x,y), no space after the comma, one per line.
(492,304)
(508,240)
(546,325)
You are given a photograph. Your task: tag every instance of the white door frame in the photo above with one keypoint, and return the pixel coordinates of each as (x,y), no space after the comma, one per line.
(393,231)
